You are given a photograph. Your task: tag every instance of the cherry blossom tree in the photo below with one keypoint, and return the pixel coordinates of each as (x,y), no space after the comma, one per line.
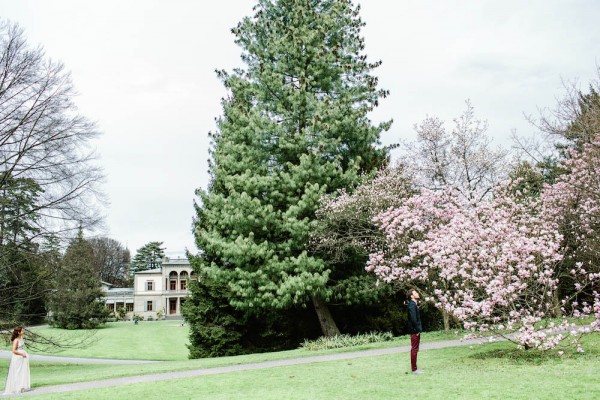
(573,201)
(462,158)
(490,263)
(346,219)
(345,234)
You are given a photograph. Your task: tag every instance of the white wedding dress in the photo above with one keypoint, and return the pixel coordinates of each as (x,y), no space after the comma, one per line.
(18,379)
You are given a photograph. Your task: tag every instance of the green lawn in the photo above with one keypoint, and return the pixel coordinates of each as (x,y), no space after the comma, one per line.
(491,371)
(148,340)
(167,341)
(129,341)
(483,372)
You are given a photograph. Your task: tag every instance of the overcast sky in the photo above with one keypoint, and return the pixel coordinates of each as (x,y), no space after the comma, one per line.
(145,73)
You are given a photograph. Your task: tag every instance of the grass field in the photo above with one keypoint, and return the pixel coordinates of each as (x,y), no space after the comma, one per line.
(155,340)
(167,341)
(490,371)
(485,372)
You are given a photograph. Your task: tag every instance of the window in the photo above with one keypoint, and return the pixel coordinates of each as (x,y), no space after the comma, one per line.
(129,307)
(149,305)
(173,277)
(150,286)
(183,280)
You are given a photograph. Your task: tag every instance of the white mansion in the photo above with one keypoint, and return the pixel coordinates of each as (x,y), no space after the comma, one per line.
(162,289)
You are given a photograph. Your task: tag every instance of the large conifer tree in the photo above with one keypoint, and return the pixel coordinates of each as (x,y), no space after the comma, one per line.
(77,299)
(149,256)
(295,126)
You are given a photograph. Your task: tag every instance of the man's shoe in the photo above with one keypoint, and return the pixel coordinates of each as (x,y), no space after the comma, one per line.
(418,371)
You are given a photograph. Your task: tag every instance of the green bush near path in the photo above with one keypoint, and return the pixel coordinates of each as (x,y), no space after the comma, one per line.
(340,341)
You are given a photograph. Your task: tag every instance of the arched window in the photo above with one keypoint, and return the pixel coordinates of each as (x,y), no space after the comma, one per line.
(183,277)
(173,280)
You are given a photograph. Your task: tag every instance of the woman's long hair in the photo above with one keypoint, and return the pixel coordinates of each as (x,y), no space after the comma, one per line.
(16,332)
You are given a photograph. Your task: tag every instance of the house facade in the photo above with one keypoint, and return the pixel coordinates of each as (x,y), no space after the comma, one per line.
(118,297)
(161,290)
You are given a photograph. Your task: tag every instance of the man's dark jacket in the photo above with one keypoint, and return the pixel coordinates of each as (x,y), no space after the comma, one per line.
(414,318)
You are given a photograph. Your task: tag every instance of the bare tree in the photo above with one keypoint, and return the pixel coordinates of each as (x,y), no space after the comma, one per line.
(575,118)
(111,260)
(43,138)
(48,175)
(573,122)
(462,158)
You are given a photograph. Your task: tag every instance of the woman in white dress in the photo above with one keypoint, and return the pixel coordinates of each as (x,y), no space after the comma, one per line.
(18,380)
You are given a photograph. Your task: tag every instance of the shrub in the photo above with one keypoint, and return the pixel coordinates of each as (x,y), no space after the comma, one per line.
(120,313)
(338,341)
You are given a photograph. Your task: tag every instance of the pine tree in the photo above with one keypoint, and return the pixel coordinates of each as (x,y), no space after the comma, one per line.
(76,301)
(216,328)
(294,127)
(149,256)
(23,271)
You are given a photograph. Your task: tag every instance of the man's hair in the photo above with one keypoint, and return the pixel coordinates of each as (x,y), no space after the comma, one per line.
(410,291)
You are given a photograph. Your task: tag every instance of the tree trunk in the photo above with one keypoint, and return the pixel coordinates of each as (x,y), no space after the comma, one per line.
(556,311)
(446,317)
(328,326)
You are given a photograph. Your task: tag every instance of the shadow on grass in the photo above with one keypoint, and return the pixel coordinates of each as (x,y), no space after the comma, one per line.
(519,356)
(536,357)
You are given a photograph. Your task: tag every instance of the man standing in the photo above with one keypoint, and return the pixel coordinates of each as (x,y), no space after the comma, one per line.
(415,327)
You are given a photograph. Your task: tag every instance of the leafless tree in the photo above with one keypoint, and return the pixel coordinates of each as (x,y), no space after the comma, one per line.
(111,260)
(462,158)
(576,115)
(49,179)
(43,138)
(50,343)
(571,123)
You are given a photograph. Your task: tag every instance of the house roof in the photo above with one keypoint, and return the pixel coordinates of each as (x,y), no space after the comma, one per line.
(150,271)
(119,291)
(176,261)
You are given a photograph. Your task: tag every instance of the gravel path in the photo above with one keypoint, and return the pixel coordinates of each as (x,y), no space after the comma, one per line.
(222,370)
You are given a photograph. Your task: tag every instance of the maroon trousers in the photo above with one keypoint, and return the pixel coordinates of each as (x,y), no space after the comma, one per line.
(415,340)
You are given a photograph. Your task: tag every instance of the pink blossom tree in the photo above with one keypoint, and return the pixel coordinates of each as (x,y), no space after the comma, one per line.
(573,202)
(345,235)
(346,219)
(490,264)
(462,157)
